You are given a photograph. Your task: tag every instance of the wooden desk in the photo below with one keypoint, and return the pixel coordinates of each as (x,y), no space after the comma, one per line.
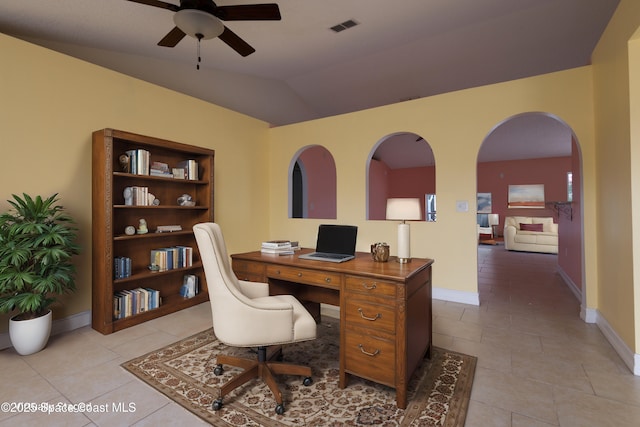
(385,309)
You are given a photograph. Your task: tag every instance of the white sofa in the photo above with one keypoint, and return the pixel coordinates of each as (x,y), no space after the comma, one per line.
(518,239)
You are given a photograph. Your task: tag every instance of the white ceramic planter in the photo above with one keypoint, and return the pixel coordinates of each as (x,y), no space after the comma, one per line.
(30,336)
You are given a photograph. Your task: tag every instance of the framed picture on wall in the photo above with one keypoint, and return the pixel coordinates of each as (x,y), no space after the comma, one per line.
(526,196)
(484,202)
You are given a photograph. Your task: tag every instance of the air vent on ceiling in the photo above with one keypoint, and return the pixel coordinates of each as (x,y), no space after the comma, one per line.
(345,25)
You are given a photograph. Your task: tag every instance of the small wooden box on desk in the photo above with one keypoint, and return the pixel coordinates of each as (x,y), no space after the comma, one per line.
(385,309)
(111,215)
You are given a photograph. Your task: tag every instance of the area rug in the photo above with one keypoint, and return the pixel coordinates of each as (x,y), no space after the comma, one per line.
(438,393)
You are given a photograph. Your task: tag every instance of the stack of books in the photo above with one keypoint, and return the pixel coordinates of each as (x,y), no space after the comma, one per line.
(134,301)
(281,247)
(121,267)
(163,259)
(139,196)
(190,169)
(160,169)
(139,161)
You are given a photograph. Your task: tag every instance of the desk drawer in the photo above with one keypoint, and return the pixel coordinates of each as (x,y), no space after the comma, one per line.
(370,315)
(370,286)
(303,275)
(370,357)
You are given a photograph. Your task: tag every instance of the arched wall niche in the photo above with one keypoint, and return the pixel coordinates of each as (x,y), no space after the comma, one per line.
(312,184)
(401,165)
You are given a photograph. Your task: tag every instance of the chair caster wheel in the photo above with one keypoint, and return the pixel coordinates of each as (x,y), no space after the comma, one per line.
(218,370)
(307,381)
(217,405)
(280,409)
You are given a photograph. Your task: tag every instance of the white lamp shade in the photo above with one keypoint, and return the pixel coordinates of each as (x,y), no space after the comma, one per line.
(403,209)
(494,219)
(198,24)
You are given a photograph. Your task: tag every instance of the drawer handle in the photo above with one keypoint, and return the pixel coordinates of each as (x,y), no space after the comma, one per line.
(327,279)
(299,274)
(369,287)
(375,353)
(378,315)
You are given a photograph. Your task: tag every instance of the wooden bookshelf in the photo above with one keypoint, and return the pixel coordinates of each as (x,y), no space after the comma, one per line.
(111,216)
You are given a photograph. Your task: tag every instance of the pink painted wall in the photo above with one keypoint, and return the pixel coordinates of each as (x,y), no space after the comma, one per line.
(570,227)
(378,189)
(406,182)
(320,169)
(495,178)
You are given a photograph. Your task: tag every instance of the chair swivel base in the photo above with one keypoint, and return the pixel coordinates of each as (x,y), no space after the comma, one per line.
(260,368)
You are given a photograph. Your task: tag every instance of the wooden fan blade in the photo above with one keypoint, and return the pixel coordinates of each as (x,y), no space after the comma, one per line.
(158,3)
(172,38)
(249,12)
(236,43)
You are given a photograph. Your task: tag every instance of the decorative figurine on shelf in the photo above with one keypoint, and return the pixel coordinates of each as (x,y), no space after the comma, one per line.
(142,227)
(129,230)
(128,196)
(152,200)
(186,200)
(124,163)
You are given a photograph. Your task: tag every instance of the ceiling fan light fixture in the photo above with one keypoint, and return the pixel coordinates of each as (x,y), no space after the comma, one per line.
(198,24)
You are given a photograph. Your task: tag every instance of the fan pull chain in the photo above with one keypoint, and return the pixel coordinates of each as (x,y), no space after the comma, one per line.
(199,36)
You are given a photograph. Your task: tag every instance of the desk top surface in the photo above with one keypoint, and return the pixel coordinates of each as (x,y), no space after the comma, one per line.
(363,264)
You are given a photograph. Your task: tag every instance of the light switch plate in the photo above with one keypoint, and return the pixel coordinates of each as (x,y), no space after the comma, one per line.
(462,206)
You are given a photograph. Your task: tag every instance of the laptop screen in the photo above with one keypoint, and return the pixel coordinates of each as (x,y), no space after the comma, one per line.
(337,239)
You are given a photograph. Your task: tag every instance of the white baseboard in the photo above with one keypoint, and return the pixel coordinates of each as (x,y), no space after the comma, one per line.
(59,326)
(627,355)
(472,298)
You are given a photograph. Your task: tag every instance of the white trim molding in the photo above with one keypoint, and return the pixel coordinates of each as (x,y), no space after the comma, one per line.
(631,359)
(58,326)
(472,298)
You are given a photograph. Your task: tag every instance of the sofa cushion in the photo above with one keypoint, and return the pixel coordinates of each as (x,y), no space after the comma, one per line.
(521,220)
(547,239)
(546,223)
(531,227)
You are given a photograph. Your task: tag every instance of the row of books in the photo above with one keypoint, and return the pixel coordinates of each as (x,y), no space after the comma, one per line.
(122,267)
(135,301)
(190,287)
(163,259)
(190,169)
(282,247)
(138,196)
(140,164)
(139,161)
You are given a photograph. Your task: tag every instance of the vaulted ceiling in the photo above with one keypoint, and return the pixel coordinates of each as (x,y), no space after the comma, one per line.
(303,70)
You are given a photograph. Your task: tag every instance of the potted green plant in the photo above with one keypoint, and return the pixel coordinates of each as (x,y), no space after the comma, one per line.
(37,243)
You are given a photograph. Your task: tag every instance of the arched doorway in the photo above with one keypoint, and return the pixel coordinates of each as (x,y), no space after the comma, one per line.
(539,149)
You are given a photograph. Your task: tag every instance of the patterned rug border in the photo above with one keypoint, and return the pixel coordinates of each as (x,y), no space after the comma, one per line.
(418,412)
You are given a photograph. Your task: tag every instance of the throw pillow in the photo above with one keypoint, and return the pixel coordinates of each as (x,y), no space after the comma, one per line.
(530,227)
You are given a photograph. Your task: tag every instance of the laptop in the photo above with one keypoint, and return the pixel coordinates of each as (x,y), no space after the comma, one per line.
(336,243)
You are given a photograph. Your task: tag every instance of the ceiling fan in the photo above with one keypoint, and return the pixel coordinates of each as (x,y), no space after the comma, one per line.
(201,19)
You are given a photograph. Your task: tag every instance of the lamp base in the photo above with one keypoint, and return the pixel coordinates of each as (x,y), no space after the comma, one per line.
(403,260)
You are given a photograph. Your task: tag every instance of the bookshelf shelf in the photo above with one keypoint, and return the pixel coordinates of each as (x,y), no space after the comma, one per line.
(111,216)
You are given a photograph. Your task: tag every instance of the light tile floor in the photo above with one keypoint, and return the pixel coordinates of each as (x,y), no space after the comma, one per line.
(538,363)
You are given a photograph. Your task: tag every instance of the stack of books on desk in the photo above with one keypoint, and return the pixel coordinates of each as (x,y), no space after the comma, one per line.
(282,247)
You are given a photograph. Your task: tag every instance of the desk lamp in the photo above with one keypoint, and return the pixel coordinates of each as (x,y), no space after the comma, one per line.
(404,209)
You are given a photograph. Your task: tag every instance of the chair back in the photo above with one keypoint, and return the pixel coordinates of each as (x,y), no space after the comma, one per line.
(229,306)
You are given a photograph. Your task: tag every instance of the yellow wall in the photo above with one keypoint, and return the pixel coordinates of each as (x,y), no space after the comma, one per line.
(454,125)
(51,103)
(617,173)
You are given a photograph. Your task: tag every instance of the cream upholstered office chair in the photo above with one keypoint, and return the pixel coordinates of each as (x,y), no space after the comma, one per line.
(244,315)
